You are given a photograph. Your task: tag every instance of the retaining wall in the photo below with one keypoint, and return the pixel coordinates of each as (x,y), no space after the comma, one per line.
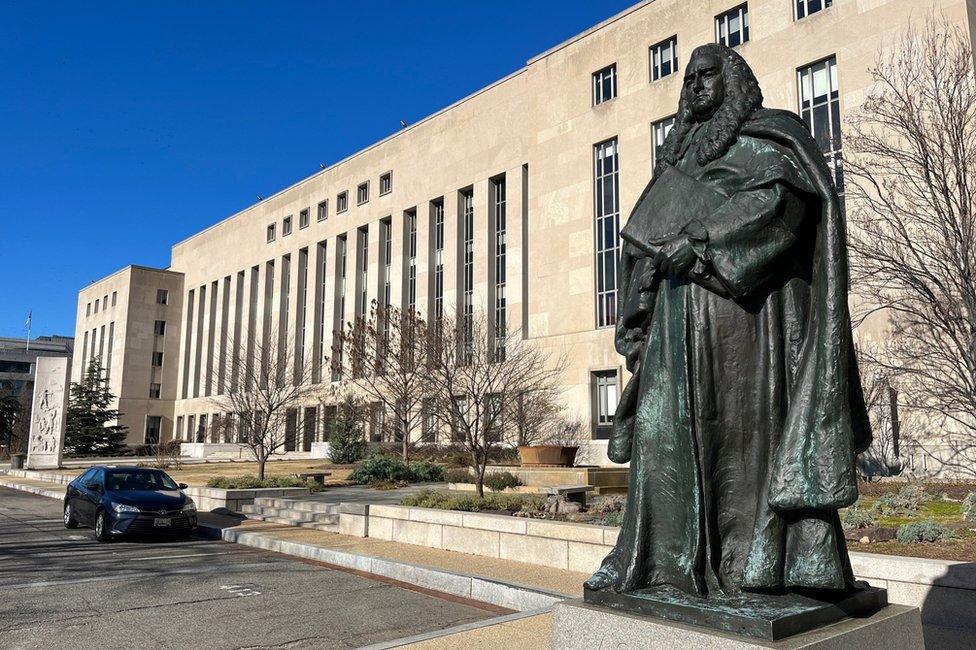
(944,590)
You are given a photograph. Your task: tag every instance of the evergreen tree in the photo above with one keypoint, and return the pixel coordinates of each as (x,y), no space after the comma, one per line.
(347,444)
(87,428)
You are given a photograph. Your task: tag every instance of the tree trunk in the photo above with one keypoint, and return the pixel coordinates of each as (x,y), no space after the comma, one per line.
(406,441)
(262,459)
(479,472)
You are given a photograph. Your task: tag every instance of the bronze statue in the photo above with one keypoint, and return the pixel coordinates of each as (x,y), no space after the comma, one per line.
(744,413)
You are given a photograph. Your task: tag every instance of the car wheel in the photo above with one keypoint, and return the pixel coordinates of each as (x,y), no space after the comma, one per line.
(69,517)
(101,527)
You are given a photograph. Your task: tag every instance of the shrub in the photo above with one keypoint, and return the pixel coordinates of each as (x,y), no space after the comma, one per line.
(856,517)
(347,444)
(610,504)
(474,503)
(499,481)
(923,531)
(250,482)
(389,469)
(459,475)
(612,519)
(906,501)
(969,507)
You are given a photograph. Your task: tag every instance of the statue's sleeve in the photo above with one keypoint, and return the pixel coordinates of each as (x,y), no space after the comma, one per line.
(744,239)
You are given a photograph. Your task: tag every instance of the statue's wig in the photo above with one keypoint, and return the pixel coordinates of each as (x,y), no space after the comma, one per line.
(742,98)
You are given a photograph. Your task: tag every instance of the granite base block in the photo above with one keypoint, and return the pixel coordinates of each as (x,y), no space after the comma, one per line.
(581,626)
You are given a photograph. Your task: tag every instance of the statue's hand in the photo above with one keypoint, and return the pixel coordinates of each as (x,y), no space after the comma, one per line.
(676,257)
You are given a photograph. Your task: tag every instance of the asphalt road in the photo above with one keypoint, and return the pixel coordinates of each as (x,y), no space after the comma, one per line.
(61,589)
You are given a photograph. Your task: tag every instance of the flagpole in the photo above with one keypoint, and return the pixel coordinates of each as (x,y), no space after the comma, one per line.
(28,329)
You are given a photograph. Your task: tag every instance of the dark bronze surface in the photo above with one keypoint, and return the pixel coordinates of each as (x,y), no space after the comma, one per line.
(744,412)
(768,617)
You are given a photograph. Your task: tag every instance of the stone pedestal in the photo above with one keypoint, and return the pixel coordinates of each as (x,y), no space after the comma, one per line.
(577,625)
(51,383)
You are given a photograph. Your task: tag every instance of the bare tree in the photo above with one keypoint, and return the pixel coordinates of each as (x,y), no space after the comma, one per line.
(384,359)
(883,457)
(268,392)
(538,418)
(476,376)
(912,207)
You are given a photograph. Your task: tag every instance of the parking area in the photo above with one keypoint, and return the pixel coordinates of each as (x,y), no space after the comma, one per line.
(61,589)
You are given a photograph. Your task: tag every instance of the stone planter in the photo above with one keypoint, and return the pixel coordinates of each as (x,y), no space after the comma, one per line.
(553,455)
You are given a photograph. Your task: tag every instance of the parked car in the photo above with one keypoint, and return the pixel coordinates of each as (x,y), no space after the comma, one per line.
(118,501)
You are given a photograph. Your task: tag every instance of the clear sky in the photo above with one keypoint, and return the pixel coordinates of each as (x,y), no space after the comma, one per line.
(128,126)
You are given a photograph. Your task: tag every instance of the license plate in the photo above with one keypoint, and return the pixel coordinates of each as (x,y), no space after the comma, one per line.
(162,521)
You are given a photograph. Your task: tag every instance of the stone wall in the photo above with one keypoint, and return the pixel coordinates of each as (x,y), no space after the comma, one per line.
(944,590)
(208,499)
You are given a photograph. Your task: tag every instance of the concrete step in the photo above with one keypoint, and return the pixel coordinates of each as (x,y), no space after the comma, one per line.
(297,504)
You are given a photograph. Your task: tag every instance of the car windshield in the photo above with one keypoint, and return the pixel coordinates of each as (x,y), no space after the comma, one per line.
(138,479)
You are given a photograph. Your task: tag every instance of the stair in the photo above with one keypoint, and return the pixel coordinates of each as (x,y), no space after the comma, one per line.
(295,512)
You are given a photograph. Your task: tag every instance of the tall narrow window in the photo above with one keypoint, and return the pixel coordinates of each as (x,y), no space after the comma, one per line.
(284,299)
(115,295)
(303,219)
(603,386)
(87,310)
(101,345)
(362,193)
(286,226)
(497,237)
(162,296)
(211,335)
(300,310)
(223,336)
(108,352)
(437,260)
(265,348)
(340,306)
(252,326)
(607,226)
(659,132)
(386,269)
(806,7)
(84,355)
(664,58)
(198,355)
(154,424)
(270,233)
(154,390)
(157,359)
(362,268)
(187,340)
(323,210)
(410,262)
(732,27)
(605,84)
(466,284)
(820,109)
(318,341)
(235,355)
(386,183)
(342,202)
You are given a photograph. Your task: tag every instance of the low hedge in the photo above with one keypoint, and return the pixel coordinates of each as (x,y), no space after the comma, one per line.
(474,503)
(251,482)
(389,469)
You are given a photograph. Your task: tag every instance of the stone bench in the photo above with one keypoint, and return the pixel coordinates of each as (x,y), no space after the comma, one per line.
(318,477)
(574,493)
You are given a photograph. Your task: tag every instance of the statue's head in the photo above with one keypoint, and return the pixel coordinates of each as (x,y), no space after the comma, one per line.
(720,90)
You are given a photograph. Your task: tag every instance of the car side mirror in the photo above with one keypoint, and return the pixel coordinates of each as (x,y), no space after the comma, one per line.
(183,486)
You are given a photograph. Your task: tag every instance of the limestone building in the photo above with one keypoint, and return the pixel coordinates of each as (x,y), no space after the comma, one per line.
(530,175)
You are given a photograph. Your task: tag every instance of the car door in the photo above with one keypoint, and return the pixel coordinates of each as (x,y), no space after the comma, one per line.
(89,494)
(73,493)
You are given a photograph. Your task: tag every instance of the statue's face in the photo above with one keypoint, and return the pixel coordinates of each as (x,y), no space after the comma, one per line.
(704,86)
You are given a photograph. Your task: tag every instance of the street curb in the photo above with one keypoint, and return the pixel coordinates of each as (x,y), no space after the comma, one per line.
(520,598)
(44,492)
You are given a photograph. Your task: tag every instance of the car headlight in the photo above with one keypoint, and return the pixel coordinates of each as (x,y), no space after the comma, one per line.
(189,506)
(122,507)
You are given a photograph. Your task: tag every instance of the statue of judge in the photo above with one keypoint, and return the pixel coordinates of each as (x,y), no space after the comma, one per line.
(744,413)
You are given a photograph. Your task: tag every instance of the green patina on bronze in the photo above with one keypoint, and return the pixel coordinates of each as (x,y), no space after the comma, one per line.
(744,413)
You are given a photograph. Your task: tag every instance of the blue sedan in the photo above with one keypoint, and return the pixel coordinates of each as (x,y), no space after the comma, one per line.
(119,501)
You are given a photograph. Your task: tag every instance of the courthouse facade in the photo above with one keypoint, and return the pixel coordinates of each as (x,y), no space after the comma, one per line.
(509,201)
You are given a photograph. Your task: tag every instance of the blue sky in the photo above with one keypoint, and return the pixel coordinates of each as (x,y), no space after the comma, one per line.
(126,127)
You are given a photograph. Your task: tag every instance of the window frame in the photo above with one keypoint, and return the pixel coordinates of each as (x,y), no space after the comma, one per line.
(155,390)
(303,219)
(671,41)
(825,4)
(597,82)
(601,422)
(162,296)
(157,354)
(654,144)
(342,201)
(388,176)
(362,190)
(271,233)
(742,13)
(157,330)
(286,226)
(322,211)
